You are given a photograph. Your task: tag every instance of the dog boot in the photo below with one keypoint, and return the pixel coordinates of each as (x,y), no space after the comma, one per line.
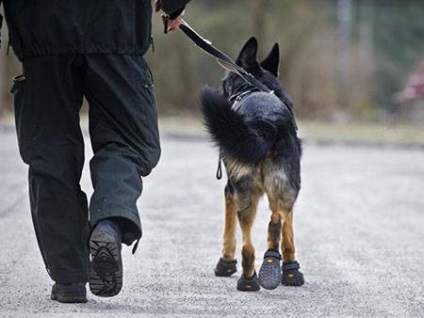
(270,271)
(248,284)
(225,268)
(291,274)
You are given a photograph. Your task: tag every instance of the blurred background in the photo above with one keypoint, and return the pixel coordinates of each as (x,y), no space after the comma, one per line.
(342,61)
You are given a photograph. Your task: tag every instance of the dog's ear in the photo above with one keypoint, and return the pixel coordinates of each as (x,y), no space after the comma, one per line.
(272,61)
(247,56)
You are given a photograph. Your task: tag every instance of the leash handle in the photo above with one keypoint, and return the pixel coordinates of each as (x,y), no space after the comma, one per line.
(165,21)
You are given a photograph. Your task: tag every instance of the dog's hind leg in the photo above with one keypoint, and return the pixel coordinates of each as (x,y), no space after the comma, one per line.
(270,271)
(287,244)
(274,231)
(227,263)
(247,202)
(282,187)
(291,275)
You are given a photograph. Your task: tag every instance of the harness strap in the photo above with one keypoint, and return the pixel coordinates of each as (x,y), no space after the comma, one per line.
(235,98)
(290,266)
(273,254)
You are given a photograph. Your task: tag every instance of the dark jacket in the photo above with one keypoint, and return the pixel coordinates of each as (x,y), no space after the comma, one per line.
(50,27)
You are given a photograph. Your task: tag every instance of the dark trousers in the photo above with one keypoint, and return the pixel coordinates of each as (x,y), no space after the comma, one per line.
(125,140)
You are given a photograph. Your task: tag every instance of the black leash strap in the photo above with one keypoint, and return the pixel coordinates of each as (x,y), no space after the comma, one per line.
(224,60)
(219,169)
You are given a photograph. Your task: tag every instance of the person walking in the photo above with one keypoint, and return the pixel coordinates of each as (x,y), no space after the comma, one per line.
(71,49)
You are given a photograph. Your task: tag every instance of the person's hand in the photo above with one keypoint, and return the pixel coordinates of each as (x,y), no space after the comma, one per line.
(170,25)
(157,5)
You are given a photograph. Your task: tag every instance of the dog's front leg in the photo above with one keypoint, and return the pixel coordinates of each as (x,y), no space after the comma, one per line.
(291,274)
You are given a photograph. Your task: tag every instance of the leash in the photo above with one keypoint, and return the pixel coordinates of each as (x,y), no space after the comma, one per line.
(223,60)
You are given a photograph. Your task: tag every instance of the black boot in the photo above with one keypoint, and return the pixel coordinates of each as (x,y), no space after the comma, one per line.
(69,293)
(106,261)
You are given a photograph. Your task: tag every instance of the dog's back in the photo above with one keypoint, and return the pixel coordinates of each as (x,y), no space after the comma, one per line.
(247,129)
(257,131)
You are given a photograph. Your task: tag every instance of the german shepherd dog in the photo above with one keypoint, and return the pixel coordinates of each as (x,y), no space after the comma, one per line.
(257,139)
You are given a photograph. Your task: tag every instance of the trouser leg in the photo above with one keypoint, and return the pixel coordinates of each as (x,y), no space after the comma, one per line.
(47,104)
(124,136)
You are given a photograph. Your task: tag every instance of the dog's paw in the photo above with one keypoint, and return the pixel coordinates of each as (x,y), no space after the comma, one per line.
(291,274)
(248,284)
(270,271)
(225,268)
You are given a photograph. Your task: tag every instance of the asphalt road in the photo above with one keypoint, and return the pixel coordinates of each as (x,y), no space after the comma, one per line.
(359,225)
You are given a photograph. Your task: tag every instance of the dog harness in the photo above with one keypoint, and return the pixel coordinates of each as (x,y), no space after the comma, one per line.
(235,99)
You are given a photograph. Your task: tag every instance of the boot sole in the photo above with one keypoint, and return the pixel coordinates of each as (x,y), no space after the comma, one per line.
(270,273)
(69,299)
(106,265)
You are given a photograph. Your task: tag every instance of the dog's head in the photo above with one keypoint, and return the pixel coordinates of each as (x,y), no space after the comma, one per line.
(265,71)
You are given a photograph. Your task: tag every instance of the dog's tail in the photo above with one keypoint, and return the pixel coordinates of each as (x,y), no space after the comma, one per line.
(248,142)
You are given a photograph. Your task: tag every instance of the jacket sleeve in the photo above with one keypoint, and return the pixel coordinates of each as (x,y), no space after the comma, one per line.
(173,7)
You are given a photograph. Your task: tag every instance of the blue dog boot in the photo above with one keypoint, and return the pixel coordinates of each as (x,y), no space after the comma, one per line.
(270,271)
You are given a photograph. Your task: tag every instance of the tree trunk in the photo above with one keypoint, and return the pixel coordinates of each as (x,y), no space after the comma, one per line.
(258,13)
